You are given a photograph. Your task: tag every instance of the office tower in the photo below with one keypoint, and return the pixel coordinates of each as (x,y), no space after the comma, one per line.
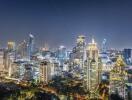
(79,51)
(9,58)
(1,59)
(104,45)
(105,57)
(45,72)
(2,63)
(81,41)
(129,83)
(92,70)
(61,55)
(127,54)
(28,75)
(93,51)
(5,59)
(11,46)
(31,45)
(117,77)
(13,70)
(81,45)
(22,50)
(18,69)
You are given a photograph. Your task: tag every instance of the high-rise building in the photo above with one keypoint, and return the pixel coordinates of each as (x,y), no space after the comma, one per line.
(45,72)
(1,59)
(28,75)
(79,51)
(105,57)
(61,55)
(81,41)
(11,45)
(127,54)
(1,62)
(31,45)
(129,82)
(104,46)
(117,78)
(22,50)
(9,57)
(92,69)
(93,51)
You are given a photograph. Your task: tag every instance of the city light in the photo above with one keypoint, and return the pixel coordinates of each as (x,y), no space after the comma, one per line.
(40,58)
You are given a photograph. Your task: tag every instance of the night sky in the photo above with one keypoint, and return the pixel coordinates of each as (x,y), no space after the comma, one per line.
(59,22)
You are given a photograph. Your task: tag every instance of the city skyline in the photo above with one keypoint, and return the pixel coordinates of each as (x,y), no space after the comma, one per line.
(65,50)
(60,22)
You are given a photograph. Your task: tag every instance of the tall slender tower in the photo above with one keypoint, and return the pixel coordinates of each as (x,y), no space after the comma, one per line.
(81,47)
(104,47)
(92,66)
(31,45)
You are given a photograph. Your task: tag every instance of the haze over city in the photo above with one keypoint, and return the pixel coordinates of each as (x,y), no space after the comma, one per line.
(58,22)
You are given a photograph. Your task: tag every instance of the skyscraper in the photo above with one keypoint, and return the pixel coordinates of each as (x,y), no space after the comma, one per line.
(1,60)
(11,45)
(117,78)
(104,45)
(127,54)
(22,50)
(31,45)
(28,75)
(45,72)
(81,40)
(92,66)
(61,55)
(79,51)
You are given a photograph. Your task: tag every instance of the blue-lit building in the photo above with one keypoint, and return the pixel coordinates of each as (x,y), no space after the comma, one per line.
(31,45)
(104,46)
(129,82)
(105,58)
(62,55)
(127,54)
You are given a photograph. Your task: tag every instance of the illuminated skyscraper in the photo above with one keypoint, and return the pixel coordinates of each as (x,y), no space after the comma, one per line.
(31,45)
(93,51)
(62,56)
(22,50)
(127,54)
(79,51)
(104,45)
(11,45)
(81,41)
(1,56)
(1,59)
(28,75)
(45,72)
(93,66)
(105,57)
(118,78)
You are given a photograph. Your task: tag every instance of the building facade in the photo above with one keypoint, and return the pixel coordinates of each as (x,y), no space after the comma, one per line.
(92,69)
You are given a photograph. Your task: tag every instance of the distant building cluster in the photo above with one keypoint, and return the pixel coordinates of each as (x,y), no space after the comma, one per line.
(88,62)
